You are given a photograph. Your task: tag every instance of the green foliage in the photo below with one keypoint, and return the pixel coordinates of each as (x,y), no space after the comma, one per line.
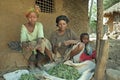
(93,25)
(109,3)
(92,21)
(27,77)
(64,71)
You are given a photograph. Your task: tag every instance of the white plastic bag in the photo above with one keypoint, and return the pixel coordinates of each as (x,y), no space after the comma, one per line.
(84,68)
(15,75)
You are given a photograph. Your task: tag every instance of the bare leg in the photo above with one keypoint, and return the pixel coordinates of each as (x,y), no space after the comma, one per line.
(32,61)
(32,65)
(49,54)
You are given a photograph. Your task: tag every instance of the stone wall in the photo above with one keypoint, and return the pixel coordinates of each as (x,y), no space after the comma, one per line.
(113,64)
(114,54)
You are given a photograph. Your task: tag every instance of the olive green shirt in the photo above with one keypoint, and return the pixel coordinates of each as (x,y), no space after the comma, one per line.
(56,39)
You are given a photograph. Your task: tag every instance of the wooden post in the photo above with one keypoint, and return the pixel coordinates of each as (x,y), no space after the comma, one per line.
(101,45)
(102,60)
(99,28)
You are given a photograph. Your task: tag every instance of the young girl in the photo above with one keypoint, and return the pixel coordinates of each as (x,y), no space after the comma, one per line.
(88,53)
(33,40)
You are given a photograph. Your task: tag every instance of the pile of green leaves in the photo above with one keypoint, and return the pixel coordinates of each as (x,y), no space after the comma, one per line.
(27,77)
(64,71)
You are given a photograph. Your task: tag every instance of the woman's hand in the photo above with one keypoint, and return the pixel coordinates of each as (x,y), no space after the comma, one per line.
(80,46)
(69,42)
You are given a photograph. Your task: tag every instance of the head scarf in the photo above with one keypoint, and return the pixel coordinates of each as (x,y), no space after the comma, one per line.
(35,9)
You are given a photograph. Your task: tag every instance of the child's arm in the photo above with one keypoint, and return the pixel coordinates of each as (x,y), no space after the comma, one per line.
(89,49)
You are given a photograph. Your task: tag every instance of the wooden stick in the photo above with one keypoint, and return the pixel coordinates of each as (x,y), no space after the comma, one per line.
(102,60)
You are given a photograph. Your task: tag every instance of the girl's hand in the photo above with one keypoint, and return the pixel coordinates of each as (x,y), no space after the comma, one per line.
(39,49)
(28,48)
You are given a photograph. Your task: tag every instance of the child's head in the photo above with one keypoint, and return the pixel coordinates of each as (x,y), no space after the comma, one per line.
(84,37)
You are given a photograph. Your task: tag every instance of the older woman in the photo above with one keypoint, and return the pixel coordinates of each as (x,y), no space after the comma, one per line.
(64,41)
(33,40)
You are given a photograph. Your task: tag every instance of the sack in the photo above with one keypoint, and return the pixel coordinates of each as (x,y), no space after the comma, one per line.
(15,45)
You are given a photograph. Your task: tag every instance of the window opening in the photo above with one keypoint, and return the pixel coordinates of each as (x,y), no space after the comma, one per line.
(46,6)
